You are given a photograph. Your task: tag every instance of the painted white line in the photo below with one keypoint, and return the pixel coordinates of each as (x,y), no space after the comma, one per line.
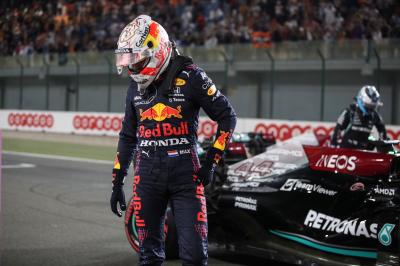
(58,157)
(17,166)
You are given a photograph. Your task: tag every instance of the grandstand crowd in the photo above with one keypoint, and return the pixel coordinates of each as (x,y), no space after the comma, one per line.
(62,26)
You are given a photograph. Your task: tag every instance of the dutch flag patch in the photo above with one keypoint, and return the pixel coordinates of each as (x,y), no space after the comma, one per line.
(173,153)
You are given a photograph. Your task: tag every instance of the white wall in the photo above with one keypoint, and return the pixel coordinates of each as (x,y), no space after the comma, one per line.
(93,123)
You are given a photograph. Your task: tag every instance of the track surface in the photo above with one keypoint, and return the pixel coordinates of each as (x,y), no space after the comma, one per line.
(57,213)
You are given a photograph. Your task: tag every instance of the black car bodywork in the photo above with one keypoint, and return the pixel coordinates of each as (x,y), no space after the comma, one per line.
(305,204)
(241,146)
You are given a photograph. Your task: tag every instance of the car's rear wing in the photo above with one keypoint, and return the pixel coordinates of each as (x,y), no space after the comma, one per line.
(349,161)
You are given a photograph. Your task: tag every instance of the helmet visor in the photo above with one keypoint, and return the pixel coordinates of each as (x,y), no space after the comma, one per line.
(373,105)
(139,66)
(128,57)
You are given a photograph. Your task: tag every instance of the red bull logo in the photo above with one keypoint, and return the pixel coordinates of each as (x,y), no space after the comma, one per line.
(160,112)
(137,203)
(220,143)
(202,214)
(164,130)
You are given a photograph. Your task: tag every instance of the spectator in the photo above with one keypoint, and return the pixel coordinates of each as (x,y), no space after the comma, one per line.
(80,25)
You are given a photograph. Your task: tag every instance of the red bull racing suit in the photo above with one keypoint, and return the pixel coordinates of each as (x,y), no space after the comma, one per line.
(162,128)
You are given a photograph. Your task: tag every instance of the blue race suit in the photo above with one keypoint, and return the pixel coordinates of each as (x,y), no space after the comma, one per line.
(161,126)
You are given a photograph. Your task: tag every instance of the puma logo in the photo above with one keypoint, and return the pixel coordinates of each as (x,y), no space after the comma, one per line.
(185,72)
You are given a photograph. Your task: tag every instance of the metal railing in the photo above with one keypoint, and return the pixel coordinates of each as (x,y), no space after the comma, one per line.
(301,50)
(229,55)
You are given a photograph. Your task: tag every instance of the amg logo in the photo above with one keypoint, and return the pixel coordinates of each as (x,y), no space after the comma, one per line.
(337,162)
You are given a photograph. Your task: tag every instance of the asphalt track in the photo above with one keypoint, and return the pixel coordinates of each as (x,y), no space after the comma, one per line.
(56,212)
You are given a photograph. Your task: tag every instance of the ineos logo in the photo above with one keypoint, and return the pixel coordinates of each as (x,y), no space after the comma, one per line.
(337,162)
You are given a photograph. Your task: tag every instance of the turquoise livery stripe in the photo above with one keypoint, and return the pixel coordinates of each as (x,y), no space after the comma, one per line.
(341,251)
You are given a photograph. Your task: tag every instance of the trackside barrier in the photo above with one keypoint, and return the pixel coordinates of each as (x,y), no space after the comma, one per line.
(109,124)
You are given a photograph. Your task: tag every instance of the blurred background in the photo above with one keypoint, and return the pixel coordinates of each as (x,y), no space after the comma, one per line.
(272,57)
(287,66)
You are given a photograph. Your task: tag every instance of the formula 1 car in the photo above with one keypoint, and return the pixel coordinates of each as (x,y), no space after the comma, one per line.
(305,204)
(242,146)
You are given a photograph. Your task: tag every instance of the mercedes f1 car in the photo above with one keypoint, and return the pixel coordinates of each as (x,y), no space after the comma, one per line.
(305,204)
(242,146)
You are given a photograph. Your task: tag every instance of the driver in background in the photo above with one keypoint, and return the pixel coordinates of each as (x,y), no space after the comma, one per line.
(355,123)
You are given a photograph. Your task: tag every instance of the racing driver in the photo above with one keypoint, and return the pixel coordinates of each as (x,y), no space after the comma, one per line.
(355,123)
(160,125)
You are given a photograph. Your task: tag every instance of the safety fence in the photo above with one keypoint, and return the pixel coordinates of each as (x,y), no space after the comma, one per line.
(109,124)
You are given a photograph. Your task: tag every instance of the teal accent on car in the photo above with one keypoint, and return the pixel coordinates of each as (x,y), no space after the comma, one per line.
(384,236)
(320,246)
(134,226)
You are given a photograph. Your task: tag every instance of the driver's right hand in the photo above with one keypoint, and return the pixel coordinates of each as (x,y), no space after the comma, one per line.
(118,194)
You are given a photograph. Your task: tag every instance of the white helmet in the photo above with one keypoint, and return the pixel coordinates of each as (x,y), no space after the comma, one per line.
(368,99)
(144,48)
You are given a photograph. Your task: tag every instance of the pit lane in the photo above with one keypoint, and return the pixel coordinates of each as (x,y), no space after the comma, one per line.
(57,213)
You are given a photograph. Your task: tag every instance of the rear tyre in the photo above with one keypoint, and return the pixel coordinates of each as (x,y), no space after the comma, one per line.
(130,227)
(171,237)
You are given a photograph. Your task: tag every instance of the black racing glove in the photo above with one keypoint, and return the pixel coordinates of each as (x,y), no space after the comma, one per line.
(118,195)
(205,174)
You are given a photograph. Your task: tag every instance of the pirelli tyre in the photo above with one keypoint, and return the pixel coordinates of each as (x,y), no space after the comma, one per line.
(130,227)
(171,240)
